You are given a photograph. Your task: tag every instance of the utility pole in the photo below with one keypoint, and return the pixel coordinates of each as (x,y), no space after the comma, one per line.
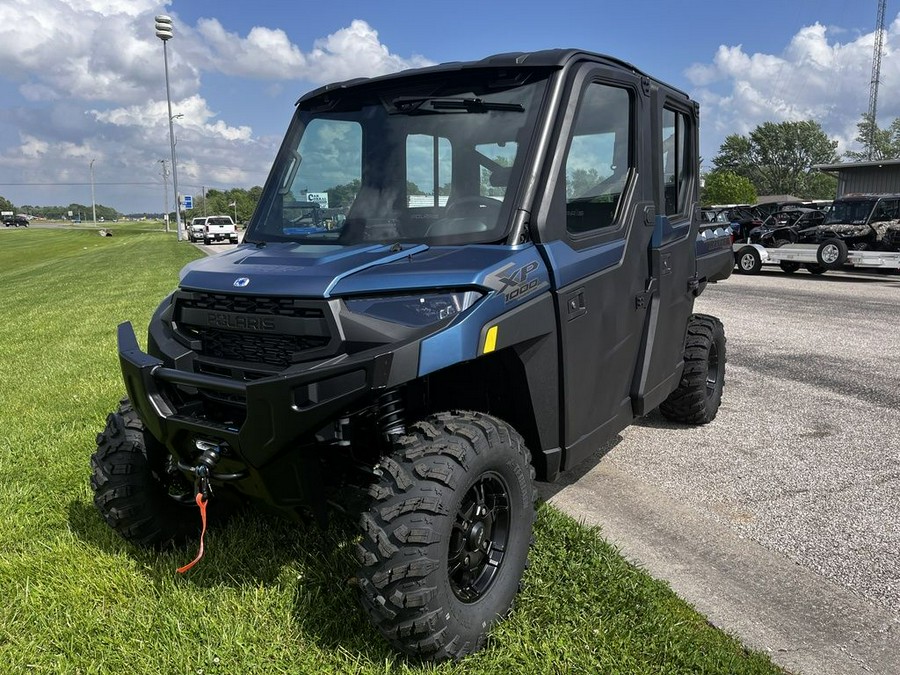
(876,76)
(164,32)
(93,203)
(165,175)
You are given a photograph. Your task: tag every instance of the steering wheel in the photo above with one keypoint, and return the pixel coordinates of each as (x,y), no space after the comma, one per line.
(477,206)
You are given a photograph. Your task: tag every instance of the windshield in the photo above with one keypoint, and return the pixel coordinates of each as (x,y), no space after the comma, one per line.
(414,160)
(849,212)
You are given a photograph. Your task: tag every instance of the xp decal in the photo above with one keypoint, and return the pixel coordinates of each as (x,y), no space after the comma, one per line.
(516,282)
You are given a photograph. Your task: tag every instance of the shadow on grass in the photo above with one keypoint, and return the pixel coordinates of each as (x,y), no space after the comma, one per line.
(254,549)
(243,548)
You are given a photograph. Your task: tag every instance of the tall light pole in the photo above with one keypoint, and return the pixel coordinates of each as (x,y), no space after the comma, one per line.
(165,175)
(164,33)
(93,203)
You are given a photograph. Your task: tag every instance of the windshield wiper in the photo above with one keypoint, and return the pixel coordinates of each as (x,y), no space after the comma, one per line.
(413,105)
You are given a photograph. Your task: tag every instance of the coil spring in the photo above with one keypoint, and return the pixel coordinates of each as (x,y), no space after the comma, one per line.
(390,413)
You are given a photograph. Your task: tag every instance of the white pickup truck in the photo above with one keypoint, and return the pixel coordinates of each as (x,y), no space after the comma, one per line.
(212,229)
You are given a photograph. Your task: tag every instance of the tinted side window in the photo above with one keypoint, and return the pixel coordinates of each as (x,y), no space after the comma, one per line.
(675,155)
(599,158)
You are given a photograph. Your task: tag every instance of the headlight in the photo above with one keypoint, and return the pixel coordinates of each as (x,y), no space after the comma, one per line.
(414,310)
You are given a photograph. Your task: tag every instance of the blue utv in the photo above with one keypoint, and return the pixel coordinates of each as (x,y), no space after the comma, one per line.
(512,284)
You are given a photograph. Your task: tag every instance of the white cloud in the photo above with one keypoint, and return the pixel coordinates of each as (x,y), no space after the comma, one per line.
(88,49)
(354,51)
(815,77)
(90,82)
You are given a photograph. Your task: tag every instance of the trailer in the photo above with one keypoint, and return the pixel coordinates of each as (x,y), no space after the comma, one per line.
(816,259)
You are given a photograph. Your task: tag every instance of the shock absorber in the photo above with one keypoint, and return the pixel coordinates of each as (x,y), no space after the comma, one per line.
(391,419)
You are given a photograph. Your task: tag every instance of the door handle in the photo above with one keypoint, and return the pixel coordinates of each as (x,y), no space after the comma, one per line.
(575,306)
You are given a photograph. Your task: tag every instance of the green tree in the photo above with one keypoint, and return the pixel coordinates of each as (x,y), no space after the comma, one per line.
(6,205)
(342,196)
(876,143)
(822,186)
(777,158)
(219,202)
(580,181)
(726,187)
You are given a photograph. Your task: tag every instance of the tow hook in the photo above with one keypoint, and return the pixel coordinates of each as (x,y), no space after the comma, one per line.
(210,454)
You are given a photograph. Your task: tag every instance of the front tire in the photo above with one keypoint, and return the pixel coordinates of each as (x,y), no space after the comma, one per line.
(699,394)
(446,539)
(132,490)
(748,260)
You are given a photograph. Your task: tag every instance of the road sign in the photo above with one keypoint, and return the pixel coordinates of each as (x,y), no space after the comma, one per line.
(319,197)
(188,202)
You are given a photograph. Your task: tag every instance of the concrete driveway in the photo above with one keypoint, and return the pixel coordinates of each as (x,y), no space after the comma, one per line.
(780,521)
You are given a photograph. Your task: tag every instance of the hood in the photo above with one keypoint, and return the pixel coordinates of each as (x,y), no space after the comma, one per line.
(324,270)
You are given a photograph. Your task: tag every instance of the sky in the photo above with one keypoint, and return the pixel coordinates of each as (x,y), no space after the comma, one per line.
(84,80)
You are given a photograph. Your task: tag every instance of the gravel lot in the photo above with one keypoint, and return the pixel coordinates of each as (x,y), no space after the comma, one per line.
(804,457)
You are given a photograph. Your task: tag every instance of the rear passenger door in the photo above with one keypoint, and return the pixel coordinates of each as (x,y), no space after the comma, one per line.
(672,275)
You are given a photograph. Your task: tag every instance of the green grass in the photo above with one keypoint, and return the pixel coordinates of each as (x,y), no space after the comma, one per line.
(270,596)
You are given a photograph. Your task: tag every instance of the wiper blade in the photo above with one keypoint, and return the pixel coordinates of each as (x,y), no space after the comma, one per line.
(414,104)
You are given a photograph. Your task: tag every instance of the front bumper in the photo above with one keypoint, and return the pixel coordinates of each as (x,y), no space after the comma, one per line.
(282,410)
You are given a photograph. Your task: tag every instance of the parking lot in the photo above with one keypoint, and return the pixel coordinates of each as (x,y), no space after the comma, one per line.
(800,472)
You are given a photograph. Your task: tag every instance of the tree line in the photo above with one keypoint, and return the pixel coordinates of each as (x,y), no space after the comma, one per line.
(236,201)
(79,211)
(778,159)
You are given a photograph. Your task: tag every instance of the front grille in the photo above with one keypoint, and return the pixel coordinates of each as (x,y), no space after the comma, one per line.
(275,350)
(254,329)
(250,305)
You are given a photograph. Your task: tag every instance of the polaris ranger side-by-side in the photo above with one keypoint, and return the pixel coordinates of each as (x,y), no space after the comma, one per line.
(512,285)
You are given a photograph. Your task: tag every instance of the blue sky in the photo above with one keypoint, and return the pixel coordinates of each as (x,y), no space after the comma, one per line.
(83,79)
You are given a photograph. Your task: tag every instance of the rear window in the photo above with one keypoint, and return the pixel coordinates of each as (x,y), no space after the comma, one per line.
(219,221)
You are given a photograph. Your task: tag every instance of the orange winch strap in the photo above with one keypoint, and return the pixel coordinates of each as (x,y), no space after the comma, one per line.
(201,502)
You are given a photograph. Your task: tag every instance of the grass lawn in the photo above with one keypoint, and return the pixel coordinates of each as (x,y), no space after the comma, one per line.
(270,596)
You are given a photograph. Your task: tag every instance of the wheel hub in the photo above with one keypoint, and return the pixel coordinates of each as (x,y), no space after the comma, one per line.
(479,538)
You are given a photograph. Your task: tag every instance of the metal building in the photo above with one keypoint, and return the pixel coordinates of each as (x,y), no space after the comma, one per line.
(881,176)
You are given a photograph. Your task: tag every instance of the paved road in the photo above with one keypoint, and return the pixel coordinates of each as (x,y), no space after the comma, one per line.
(781,520)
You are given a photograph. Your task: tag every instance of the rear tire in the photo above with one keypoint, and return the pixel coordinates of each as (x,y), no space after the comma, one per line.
(132,489)
(446,539)
(832,254)
(699,394)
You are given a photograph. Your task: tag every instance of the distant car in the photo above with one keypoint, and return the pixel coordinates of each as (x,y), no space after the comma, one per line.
(219,228)
(10,220)
(785,227)
(197,229)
